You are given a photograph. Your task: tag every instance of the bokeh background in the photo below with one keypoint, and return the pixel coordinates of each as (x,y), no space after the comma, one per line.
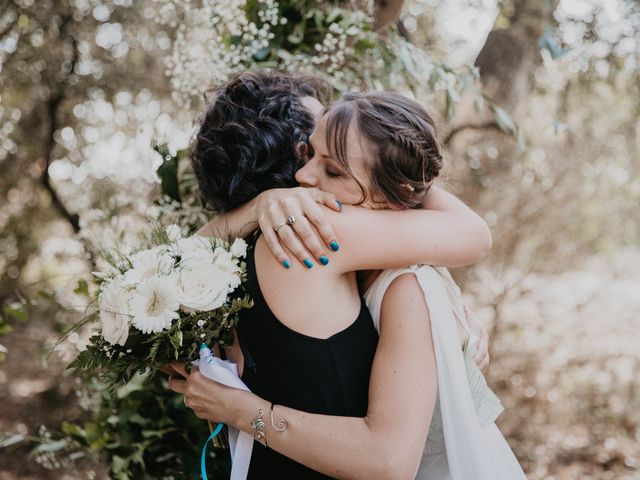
(538,105)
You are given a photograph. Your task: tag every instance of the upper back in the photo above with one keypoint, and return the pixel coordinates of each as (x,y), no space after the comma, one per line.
(317,301)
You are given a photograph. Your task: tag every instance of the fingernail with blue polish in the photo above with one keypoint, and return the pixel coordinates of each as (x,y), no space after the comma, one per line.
(324,260)
(339,204)
(308,263)
(334,246)
(286,263)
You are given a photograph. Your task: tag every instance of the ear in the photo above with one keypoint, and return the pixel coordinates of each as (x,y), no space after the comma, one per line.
(302,151)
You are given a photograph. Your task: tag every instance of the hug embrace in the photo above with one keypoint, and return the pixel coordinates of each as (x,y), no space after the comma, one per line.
(361,360)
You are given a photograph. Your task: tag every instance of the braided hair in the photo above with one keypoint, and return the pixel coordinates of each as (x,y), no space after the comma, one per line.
(252,137)
(404,154)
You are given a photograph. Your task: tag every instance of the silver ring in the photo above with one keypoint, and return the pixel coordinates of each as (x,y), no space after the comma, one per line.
(291,219)
(184,399)
(280,226)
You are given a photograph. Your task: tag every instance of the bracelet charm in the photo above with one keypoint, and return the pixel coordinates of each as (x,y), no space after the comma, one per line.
(257,425)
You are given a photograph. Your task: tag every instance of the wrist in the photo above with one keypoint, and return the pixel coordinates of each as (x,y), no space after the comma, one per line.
(243,408)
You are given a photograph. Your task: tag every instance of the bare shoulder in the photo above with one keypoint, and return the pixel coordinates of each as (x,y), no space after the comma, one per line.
(403,304)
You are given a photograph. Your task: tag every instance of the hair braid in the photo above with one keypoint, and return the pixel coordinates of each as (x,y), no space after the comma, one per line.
(404,155)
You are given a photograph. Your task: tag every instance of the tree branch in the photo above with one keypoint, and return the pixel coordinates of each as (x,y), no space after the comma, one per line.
(52,113)
(53,106)
(455,131)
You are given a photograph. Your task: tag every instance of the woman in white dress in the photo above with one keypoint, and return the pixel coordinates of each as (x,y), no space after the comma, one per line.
(463,442)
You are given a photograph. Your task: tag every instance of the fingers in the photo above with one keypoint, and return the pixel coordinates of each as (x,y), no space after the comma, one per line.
(324,198)
(310,239)
(273,242)
(168,370)
(179,368)
(316,217)
(292,242)
(313,231)
(177,385)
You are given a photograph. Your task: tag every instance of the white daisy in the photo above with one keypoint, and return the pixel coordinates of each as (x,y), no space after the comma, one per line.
(154,304)
(149,263)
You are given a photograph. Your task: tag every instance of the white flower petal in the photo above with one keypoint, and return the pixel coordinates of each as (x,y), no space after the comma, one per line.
(154,304)
(114,303)
(203,289)
(239,248)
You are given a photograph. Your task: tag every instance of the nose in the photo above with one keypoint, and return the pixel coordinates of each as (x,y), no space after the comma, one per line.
(307,176)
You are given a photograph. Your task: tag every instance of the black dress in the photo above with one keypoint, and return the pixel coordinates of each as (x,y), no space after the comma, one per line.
(326,376)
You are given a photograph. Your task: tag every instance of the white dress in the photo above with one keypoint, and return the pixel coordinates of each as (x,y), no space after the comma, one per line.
(463,441)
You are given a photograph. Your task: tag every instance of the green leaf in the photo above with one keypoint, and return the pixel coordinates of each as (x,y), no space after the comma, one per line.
(176,341)
(50,447)
(47,295)
(16,311)
(134,385)
(11,440)
(73,429)
(503,120)
(82,288)
(478,104)
(4,329)
(168,172)
(297,35)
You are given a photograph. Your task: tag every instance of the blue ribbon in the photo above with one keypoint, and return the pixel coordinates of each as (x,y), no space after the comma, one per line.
(203,466)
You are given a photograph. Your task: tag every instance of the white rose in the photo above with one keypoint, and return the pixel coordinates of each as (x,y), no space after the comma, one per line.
(203,289)
(195,252)
(149,263)
(173,232)
(192,244)
(225,261)
(239,248)
(114,302)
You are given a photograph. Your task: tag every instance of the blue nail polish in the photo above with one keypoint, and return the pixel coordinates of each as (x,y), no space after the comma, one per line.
(286,264)
(339,204)
(308,263)
(324,260)
(334,246)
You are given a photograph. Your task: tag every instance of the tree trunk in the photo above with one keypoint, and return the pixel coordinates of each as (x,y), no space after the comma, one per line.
(511,54)
(387,12)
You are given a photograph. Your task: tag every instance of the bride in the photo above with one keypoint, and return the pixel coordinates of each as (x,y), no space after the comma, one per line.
(352,138)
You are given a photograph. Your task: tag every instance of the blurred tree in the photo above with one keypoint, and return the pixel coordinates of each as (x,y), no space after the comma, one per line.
(85,85)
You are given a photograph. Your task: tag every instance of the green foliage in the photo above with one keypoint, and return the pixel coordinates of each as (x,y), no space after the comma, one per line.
(168,172)
(143,431)
(10,314)
(146,431)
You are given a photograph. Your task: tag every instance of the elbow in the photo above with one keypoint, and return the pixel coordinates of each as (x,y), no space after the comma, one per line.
(394,465)
(486,239)
(482,241)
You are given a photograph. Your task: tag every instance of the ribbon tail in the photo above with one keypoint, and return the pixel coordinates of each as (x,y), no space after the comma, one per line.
(203,457)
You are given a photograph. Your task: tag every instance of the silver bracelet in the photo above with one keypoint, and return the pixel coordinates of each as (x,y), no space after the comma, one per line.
(282,424)
(257,425)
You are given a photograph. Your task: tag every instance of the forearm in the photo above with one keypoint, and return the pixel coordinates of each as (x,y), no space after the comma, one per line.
(439,200)
(341,447)
(237,223)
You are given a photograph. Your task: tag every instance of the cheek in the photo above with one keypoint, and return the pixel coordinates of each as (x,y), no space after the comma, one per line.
(345,189)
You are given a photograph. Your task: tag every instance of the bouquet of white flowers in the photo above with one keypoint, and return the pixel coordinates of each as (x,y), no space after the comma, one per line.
(160,303)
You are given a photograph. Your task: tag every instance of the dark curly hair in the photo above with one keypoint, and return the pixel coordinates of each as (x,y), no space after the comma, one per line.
(253,137)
